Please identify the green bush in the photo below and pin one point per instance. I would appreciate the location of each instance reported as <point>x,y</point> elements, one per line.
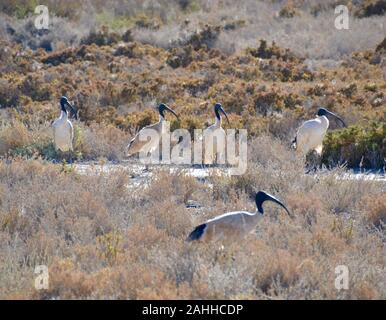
<point>45,149</point>
<point>359,147</point>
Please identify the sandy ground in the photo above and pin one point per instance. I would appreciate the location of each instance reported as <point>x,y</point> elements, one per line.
<point>142,175</point>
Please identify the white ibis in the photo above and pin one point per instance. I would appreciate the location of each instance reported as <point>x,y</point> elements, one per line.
<point>62,127</point>
<point>135,144</point>
<point>311,133</point>
<point>215,130</point>
<point>233,226</point>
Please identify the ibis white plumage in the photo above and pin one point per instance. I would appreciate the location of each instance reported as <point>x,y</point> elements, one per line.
<point>62,127</point>
<point>136,145</point>
<point>233,226</point>
<point>215,130</point>
<point>311,133</point>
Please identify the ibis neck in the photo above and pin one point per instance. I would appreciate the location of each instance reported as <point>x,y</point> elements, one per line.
<point>163,124</point>
<point>63,114</point>
<point>254,218</point>
<point>217,123</point>
<point>324,120</point>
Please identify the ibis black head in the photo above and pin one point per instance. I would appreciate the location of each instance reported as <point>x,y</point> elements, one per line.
<point>64,102</point>
<point>325,112</point>
<point>262,196</point>
<point>161,109</point>
<point>217,109</point>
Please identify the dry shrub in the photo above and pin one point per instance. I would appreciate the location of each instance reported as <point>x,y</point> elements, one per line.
<point>66,281</point>
<point>30,141</point>
<point>374,207</point>
<point>13,136</point>
<point>276,268</point>
<point>36,88</point>
<point>101,38</point>
<point>306,209</point>
<point>99,141</point>
<point>102,240</point>
<point>9,93</point>
<point>371,8</point>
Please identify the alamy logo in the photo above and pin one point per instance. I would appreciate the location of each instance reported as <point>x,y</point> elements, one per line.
<point>342,278</point>
<point>43,19</point>
<point>41,281</point>
<point>342,20</point>
<point>220,147</point>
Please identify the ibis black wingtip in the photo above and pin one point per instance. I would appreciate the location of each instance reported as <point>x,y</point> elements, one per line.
<point>197,233</point>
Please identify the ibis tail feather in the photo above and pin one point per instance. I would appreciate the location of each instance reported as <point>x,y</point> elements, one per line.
<point>294,142</point>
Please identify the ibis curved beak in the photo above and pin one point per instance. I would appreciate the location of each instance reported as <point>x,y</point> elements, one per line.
<point>224,113</point>
<point>337,117</point>
<point>172,111</point>
<point>74,111</point>
<point>262,196</point>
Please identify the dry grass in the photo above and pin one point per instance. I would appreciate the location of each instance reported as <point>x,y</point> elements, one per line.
<point>101,241</point>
